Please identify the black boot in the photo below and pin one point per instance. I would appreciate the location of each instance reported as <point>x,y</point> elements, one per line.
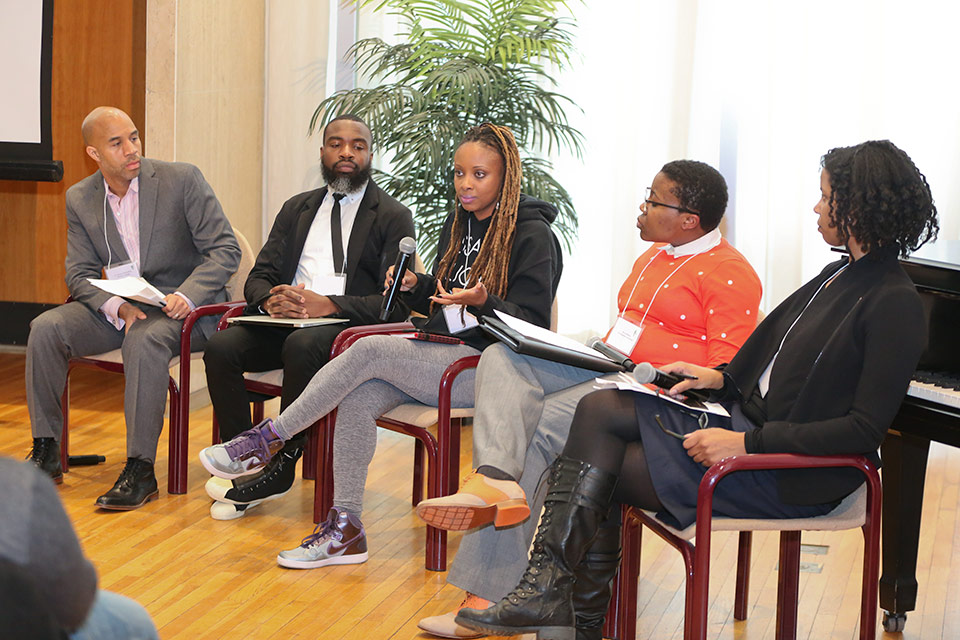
<point>594,577</point>
<point>135,487</point>
<point>45,456</point>
<point>577,501</point>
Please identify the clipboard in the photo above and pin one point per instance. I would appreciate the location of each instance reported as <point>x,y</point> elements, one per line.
<point>526,345</point>
<point>291,323</point>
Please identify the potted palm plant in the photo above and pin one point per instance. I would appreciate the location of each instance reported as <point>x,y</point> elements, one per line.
<point>460,63</point>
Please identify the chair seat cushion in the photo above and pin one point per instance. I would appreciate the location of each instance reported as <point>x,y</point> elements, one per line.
<point>849,514</point>
<point>274,377</point>
<point>421,415</point>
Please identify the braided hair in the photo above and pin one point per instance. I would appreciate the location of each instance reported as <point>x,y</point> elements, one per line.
<point>493,259</point>
<point>879,197</point>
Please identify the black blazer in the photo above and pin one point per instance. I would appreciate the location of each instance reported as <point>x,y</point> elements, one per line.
<point>380,224</point>
<point>840,376</point>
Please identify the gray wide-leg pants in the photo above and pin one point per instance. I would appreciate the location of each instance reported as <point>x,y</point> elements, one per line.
<point>525,406</point>
<point>72,330</point>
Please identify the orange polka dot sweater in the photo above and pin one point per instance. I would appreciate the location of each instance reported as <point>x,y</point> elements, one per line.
<point>700,312</point>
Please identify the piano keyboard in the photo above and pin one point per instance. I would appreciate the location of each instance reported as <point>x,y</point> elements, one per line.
<point>935,387</point>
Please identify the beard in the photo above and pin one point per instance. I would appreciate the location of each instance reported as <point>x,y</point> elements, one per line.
<point>345,182</point>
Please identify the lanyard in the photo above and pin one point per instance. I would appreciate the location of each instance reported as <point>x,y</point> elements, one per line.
<point>655,293</point>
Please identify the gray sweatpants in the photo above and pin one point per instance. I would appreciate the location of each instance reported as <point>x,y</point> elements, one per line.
<point>375,375</point>
<point>523,414</point>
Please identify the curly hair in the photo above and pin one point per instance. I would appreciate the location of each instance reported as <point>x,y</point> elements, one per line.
<point>701,190</point>
<point>879,197</point>
<point>493,259</point>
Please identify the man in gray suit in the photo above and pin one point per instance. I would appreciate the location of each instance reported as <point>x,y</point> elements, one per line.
<point>139,217</point>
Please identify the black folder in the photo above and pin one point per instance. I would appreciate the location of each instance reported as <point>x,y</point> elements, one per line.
<point>526,345</point>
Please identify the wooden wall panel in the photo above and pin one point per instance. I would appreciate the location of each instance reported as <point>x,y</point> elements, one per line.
<point>98,58</point>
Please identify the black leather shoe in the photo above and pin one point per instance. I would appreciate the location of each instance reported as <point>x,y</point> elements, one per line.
<point>135,487</point>
<point>45,455</point>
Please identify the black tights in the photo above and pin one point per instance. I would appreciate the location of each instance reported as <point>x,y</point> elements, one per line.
<point>605,434</point>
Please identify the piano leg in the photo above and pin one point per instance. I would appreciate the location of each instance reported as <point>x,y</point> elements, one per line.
<point>904,468</point>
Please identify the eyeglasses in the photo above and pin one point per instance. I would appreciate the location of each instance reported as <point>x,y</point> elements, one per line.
<point>702,418</point>
<point>668,206</point>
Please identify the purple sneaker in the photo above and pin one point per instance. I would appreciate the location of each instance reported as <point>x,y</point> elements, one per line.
<point>338,540</point>
<point>243,455</point>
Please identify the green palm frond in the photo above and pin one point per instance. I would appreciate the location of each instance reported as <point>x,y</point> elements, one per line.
<point>461,63</point>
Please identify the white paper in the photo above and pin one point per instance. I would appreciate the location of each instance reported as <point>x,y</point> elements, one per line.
<point>545,335</point>
<point>131,288</point>
<point>625,382</point>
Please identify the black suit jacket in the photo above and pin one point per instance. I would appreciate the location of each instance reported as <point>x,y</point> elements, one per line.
<point>380,224</point>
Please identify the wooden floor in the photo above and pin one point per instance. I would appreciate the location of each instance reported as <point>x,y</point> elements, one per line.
<point>200,578</point>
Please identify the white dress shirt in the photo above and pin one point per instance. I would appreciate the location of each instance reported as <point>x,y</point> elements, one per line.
<point>317,256</point>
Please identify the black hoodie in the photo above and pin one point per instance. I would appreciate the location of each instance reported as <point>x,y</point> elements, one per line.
<point>533,274</point>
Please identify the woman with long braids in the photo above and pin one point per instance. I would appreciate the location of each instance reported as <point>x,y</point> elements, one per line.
<point>496,251</point>
<point>823,374</point>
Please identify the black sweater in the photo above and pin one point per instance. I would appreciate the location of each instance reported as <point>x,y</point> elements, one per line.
<point>533,275</point>
<point>841,373</point>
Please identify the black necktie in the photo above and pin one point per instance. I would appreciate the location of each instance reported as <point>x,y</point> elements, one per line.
<point>336,235</point>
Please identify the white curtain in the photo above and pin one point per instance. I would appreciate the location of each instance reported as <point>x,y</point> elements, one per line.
<point>760,90</point>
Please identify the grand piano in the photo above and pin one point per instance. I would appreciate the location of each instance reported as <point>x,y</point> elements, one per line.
<point>930,412</point>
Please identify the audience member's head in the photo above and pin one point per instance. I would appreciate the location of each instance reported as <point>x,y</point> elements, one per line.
<point>24,614</point>
<point>346,154</point>
<point>879,197</point>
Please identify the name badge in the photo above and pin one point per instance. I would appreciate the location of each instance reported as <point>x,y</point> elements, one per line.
<point>624,336</point>
<point>451,313</point>
<point>121,270</point>
<point>332,284</point>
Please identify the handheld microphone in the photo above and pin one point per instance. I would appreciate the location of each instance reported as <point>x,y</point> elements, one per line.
<point>408,246</point>
<point>645,373</point>
<point>598,344</point>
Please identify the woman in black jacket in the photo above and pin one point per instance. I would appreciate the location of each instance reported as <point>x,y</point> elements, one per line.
<point>823,374</point>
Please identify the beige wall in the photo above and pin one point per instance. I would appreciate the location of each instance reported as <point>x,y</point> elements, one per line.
<point>296,81</point>
<point>205,97</point>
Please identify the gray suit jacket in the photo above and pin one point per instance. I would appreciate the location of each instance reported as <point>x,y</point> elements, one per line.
<point>186,242</point>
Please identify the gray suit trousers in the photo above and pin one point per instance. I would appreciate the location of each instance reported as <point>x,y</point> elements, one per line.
<point>73,329</point>
<point>524,409</point>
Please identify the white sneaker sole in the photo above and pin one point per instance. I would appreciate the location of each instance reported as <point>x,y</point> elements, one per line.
<point>354,558</point>
<point>227,511</point>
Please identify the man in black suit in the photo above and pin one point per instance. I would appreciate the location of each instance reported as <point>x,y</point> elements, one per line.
<point>303,272</point>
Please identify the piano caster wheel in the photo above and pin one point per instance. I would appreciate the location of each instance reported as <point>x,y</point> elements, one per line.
<point>894,622</point>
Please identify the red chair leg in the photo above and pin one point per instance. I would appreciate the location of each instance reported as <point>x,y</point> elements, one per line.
<point>179,439</point>
<point>323,486</point>
<point>417,472</point>
<point>215,434</point>
<point>309,468</point>
<point>743,576</point>
<point>871,562</point>
<point>621,622</point>
<point>788,585</point>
